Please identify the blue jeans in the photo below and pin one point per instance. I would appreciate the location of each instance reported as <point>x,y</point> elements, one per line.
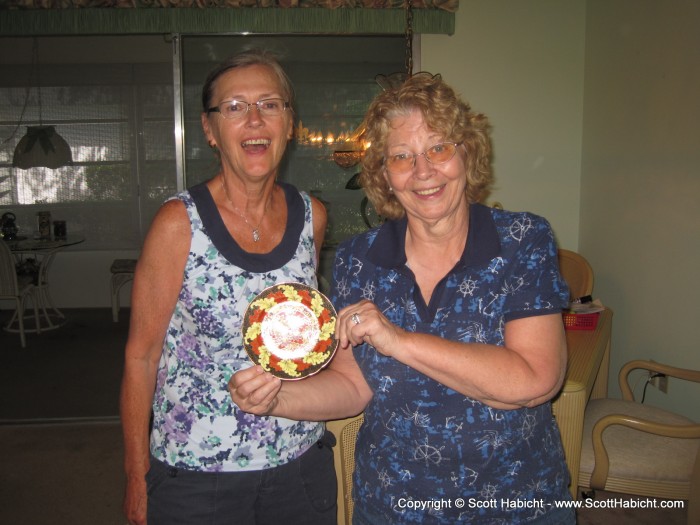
<point>301,492</point>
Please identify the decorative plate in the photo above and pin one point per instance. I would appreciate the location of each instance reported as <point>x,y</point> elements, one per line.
<point>288,329</point>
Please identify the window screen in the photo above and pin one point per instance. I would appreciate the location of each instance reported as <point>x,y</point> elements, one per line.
<point>118,120</point>
<point>111,98</point>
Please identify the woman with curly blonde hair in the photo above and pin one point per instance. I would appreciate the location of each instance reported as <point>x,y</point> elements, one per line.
<point>444,112</point>
<point>450,329</point>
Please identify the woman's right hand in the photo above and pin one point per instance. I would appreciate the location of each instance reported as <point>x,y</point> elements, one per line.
<point>254,390</point>
<point>135,501</point>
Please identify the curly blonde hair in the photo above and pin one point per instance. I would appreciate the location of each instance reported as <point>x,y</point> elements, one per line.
<point>445,113</point>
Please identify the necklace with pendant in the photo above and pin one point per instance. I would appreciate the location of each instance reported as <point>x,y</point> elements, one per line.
<point>256,229</point>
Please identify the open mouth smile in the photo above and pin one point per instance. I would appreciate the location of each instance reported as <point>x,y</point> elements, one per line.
<point>256,143</point>
<point>430,191</point>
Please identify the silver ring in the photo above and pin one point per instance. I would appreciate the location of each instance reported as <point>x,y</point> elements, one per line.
<point>355,318</point>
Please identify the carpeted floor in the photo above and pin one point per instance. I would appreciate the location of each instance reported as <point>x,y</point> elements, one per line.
<point>70,372</point>
<point>60,439</point>
<point>61,474</point>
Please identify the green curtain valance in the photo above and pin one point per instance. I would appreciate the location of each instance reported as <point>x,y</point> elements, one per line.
<point>61,17</point>
<point>447,5</point>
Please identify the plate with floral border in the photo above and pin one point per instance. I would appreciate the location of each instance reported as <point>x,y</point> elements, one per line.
<point>289,330</point>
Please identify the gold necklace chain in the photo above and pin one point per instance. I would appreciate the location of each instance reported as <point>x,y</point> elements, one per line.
<point>256,229</point>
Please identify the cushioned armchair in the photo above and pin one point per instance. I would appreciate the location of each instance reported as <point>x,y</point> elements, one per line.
<point>639,449</point>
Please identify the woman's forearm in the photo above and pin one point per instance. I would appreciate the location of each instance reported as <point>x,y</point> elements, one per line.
<point>138,385</point>
<point>325,396</point>
<point>336,392</point>
<point>527,372</point>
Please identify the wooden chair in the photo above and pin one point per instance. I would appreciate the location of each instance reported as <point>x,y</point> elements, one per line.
<point>577,273</point>
<point>18,289</point>
<point>639,449</point>
<point>345,431</point>
<point>122,272</point>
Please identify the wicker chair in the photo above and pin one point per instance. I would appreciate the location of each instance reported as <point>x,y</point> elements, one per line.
<point>18,289</point>
<point>577,273</point>
<point>122,272</point>
<point>345,431</point>
<point>639,449</point>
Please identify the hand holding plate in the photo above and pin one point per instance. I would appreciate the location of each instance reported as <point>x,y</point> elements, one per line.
<point>254,390</point>
<point>289,330</point>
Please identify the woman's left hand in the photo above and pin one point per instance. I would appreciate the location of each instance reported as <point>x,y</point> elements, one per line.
<point>363,323</point>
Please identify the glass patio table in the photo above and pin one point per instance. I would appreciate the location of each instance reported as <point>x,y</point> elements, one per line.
<point>44,252</point>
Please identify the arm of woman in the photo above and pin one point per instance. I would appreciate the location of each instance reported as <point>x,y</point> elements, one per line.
<point>336,392</point>
<point>527,371</point>
<point>157,282</point>
<point>320,216</point>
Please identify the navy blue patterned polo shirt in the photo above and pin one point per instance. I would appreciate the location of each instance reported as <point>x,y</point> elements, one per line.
<point>425,453</point>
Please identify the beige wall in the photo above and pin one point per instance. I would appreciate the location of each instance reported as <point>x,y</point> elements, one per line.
<point>641,180</point>
<point>596,121</point>
<point>521,63</point>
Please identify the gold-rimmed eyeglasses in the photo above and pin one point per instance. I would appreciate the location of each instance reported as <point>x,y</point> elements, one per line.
<point>235,109</point>
<point>400,163</point>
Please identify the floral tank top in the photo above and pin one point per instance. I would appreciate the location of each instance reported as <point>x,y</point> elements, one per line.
<point>196,425</point>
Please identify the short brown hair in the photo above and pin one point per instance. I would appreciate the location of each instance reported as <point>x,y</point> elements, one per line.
<point>445,113</point>
<point>253,57</point>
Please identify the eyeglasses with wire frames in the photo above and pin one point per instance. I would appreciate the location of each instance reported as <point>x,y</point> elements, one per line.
<point>235,109</point>
<point>401,163</point>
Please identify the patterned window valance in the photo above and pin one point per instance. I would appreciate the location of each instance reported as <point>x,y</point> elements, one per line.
<point>447,5</point>
<point>75,17</point>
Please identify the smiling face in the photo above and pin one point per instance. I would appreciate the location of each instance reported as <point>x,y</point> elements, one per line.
<point>252,146</point>
<point>428,192</point>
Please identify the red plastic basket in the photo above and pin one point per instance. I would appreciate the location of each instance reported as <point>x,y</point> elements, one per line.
<point>580,321</point>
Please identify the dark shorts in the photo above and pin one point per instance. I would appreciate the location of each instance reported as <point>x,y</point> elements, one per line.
<point>301,492</point>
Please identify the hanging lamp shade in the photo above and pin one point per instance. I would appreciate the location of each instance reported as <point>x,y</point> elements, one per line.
<point>42,147</point>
